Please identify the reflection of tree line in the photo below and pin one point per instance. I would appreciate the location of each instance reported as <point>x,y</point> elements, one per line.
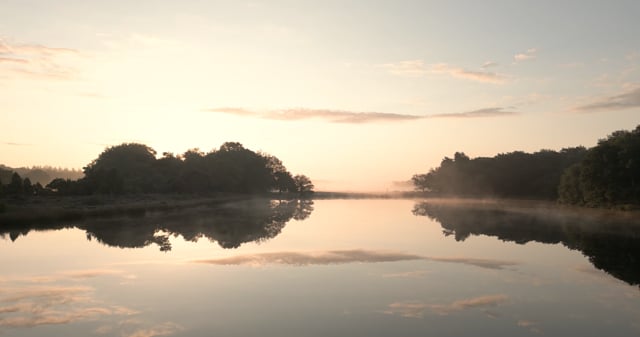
<point>230,224</point>
<point>612,245</point>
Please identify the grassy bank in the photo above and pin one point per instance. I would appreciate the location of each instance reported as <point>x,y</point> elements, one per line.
<point>50,209</point>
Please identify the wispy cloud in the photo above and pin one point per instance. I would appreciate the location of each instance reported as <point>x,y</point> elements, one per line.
<point>489,64</point>
<point>487,112</point>
<point>35,61</point>
<point>332,116</point>
<point>417,68</point>
<point>473,75</point>
<point>530,54</point>
<point>627,100</point>
<point>412,68</point>
<point>417,309</point>
<point>17,144</point>
<point>351,117</point>
<point>346,256</point>
<point>91,273</point>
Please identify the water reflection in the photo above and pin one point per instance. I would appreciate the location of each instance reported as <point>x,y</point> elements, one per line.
<point>611,242</point>
<point>230,224</point>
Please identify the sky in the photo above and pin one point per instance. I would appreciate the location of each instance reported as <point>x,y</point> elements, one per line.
<point>356,95</point>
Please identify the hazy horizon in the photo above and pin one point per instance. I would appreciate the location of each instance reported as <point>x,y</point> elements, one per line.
<point>356,95</point>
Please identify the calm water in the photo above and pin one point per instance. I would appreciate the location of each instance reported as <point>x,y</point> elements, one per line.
<point>328,268</point>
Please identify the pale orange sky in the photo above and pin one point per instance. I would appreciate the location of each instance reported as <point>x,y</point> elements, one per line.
<point>355,95</point>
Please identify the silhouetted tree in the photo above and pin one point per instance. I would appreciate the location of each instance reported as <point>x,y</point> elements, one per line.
<point>609,174</point>
<point>15,186</point>
<point>511,175</point>
<point>304,185</point>
<point>27,187</point>
<point>125,168</point>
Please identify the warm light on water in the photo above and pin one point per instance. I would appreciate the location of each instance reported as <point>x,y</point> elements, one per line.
<point>352,268</point>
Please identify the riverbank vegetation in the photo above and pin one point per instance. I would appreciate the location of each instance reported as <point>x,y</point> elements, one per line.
<point>607,175</point>
<point>133,168</point>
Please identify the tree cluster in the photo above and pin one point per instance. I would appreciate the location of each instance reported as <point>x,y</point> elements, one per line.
<point>39,174</point>
<point>510,175</point>
<point>608,176</point>
<point>133,168</point>
<point>20,187</point>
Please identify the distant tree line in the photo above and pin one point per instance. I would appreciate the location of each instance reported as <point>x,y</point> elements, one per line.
<point>509,175</point>
<point>133,168</point>
<point>603,176</point>
<point>39,174</point>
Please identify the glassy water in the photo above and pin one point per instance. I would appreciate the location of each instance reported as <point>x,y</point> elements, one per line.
<point>327,268</point>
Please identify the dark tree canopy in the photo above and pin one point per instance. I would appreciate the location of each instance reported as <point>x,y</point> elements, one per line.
<point>509,175</point>
<point>133,168</point>
<point>609,174</point>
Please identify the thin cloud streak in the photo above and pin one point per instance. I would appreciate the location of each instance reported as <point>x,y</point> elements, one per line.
<point>332,116</point>
<point>488,112</point>
<point>530,54</point>
<point>417,68</point>
<point>17,144</point>
<point>350,117</point>
<point>626,100</point>
<point>346,256</point>
<point>478,76</point>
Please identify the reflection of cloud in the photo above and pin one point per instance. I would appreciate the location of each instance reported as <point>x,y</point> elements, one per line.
<point>313,258</point>
<point>415,309</point>
<point>532,326</point>
<point>488,112</point>
<point>458,72</point>
<point>345,256</point>
<point>409,274</point>
<point>482,263</point>
<point>627,100</point>
<point>333,116</point>
<point>34,306</point>
<point>164,329</point>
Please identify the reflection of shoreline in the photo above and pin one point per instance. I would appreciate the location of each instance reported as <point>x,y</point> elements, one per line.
<point>230,224</point>
<point>611,243</point>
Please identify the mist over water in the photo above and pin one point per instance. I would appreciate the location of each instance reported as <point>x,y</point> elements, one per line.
<point>364,267</point>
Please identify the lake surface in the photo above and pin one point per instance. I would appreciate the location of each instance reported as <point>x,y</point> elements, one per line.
<point>326,268</point>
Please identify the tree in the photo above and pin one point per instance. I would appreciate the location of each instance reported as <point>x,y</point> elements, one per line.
<point>303,184</point>
<point>420,182</point>
<point>27,187</point>
<point>15,185</point>
<point>126,168</point>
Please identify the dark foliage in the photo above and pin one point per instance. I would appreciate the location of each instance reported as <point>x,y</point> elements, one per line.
<point>608,176</point>
<point>132,168</point>
<point>510,175</point>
